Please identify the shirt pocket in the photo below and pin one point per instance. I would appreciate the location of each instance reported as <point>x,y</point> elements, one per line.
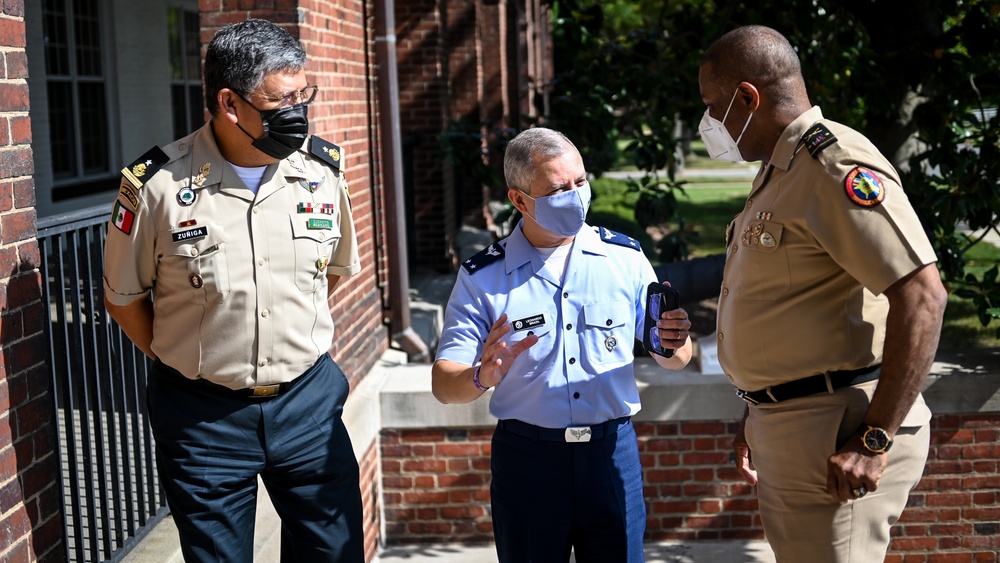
<point>313,237</point>
<point>195,262</point>
<point>764,272</point>
<point>607,336</point>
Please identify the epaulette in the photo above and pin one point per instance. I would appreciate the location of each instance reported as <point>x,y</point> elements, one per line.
<point>483,258</point>
<point>611,237</point>
<point>326,151</point>
<point>140,171</point>
<point>817,138</point>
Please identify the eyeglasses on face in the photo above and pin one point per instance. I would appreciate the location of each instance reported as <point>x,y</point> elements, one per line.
<point>304,96</point>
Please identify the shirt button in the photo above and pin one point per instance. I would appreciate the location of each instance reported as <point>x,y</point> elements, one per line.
<point>531,333</point>
<point>576,395</point>
<point>263,362</point>
<point>265,313</point>
<point>565,294</point>
<point>569,326</point>
<point>256,209</point>
<point>572,361</point>
<point>725,291</point>
<point>194,252</point>
<point>260,261</point>
<point>609,322</point>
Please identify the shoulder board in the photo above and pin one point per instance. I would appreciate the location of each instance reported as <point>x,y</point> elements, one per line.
<point>326,151</point>
<point>611,237</point>
<point>483,258</point>
<point>140,171</point>
<point>817,138</point>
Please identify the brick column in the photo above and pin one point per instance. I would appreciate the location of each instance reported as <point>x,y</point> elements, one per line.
<point>29,494</point>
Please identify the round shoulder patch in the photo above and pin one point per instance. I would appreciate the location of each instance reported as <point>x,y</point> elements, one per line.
<point>864,187</point>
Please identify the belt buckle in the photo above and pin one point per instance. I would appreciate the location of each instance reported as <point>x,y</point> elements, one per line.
<point>578,434</point>
<point>745,395</point>
<point>266,390</point>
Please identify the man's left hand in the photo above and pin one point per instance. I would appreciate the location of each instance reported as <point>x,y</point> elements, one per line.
<point>854,472</point>
<point>673,328</point>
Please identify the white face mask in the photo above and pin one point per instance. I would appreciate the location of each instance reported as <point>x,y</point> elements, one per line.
<point>718,141</point>
<point>563,213</point>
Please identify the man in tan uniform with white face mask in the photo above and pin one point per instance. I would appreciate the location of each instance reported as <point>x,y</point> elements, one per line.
<point>830,311</point>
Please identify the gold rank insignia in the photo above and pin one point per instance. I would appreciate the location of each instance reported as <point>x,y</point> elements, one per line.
<point>203,173</point>
<point>140,171</point>
<point>326,151</point>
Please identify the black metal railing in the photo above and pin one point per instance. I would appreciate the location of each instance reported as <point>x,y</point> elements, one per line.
<point>111,492</point>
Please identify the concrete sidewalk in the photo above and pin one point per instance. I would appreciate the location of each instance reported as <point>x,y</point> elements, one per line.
<point>701,551</point>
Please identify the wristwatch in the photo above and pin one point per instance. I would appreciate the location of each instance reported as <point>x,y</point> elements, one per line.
<point>875,439</point>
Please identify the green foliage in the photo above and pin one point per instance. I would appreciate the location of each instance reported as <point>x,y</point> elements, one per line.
<point>466,144</point>
<point>627,70</point>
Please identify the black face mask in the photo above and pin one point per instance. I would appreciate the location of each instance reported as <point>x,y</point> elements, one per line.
<point>285,129</point>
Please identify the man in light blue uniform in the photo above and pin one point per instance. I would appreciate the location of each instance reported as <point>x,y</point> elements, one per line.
<point>549,316</point>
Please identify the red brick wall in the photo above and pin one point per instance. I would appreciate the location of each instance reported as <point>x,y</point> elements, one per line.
<point>338,36</point>
<point>953,515</point>
<point>423,109</point>
<point>436,485</point>
<point>436,488</point>
<point>29,496</point>
<point>692,491</point>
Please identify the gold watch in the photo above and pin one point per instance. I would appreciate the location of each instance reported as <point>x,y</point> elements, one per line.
<point>876,440</point>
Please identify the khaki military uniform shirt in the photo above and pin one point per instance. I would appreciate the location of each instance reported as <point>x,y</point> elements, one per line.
<point>809,256</point>
<point>238,281</point>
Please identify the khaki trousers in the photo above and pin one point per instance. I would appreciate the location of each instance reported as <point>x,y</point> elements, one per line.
<point>790,443</point>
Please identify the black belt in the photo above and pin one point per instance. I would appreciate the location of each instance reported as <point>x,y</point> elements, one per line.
<point>571,434</point>
<point>810,385</point>
<point>256,392</point>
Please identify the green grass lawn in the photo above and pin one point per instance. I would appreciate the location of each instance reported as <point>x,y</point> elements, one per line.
<point>962,328</point>
<point>708,205</point>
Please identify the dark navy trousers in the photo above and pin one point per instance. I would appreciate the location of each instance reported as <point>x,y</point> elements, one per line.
<point>549,497</point>
<point>211,444</point>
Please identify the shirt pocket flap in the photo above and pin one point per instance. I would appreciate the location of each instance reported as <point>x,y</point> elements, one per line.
<point>315,226</point>
<point>606,315</point>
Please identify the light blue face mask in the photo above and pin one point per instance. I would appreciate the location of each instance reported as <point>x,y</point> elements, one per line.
<point>562,213</point>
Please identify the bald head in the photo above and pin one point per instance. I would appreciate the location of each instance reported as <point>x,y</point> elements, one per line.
<point>758,55</point>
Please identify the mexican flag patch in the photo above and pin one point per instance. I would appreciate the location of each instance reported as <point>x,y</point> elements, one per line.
<point>122,218</point>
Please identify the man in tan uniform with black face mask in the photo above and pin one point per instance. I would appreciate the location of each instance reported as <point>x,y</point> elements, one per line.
<point>830,311</point>
<point>222,252</point>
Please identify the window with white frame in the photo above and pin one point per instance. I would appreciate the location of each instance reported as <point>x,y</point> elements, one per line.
<point>76,85</point>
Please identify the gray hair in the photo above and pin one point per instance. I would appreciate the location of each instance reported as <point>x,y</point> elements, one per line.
<point>242,55</point>
<point>529,148</point>
<point>759,55</point>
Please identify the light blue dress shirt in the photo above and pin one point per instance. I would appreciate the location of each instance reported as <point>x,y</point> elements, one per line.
<point>580,370</point>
